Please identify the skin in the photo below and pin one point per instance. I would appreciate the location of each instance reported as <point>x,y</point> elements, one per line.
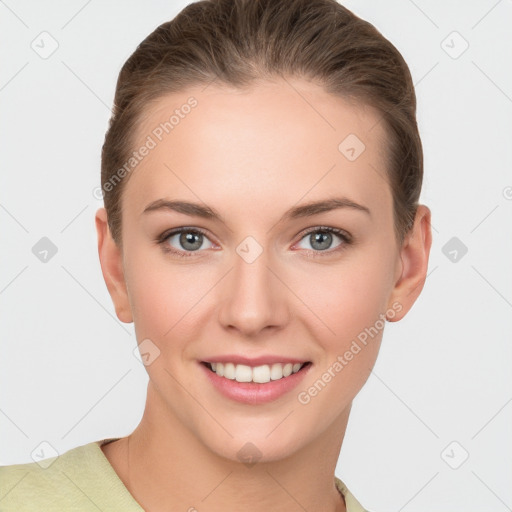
<point>251,155</point>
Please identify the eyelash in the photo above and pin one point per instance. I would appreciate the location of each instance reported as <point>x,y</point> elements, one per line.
<point>346,240</point>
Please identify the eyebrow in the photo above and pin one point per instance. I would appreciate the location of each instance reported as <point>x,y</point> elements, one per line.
<point>304,210</point>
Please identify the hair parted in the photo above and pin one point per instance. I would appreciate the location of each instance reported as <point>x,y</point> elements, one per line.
<point>238,42</point>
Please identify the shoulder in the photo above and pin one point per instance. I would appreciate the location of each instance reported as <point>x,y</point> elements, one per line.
<point>24,485</point>
<point>352,505</point>
<point>80,479</point>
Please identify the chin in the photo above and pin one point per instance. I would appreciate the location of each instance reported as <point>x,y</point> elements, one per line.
<point>259,448</point>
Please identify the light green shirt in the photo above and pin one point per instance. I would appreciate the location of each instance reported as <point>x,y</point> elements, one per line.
<point>82,479</point>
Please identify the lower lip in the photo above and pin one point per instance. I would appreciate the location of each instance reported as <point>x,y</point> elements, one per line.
<point>255,393</point>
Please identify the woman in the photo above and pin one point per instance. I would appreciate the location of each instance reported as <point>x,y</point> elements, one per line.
<point>261,176</point>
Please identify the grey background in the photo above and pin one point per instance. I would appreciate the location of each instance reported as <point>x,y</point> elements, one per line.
<point>441,389</point>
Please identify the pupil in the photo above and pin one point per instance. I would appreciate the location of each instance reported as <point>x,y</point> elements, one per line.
<point>323,238</point>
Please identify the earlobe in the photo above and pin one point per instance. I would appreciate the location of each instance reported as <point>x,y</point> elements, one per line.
<point>112,268</point>
<point>414,256</point>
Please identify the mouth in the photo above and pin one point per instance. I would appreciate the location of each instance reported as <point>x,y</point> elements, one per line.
<point>262,374</point>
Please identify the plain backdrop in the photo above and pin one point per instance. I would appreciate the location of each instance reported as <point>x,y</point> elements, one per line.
<point>431,430</point>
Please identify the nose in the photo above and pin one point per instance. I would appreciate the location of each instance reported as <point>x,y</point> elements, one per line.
<point>253,297</point>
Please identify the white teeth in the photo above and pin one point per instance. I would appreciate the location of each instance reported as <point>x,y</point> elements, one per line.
<point>260,374</point>
<point>243,373</point>
<point>229,371</point>
<point>276,372</point>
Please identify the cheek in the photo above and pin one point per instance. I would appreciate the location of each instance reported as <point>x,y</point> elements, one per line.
<point>347,298</point>
<point>165,297</point>
<point>352,304</point>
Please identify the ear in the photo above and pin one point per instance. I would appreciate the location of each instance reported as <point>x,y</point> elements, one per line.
<point>414,255</point>
<point>111,261</point>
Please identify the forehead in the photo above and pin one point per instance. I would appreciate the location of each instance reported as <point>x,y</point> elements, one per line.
<point>274,141</point>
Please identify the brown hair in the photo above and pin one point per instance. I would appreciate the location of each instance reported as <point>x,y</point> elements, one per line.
<point>236,42</point>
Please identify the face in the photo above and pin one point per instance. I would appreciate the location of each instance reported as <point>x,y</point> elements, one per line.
<point>224,263</point>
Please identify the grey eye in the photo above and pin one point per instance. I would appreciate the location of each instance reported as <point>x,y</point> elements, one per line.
<point>191,241</point>
<point>320,240</point>
<point>187,240</point>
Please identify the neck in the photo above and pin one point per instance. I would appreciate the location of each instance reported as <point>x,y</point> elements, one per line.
<point>165,467</point>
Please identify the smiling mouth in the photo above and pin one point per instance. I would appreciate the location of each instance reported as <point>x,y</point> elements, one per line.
<point>258,374</point>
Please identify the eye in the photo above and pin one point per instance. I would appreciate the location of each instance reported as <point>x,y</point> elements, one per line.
<point>320,239</point>
<point>184,241</point>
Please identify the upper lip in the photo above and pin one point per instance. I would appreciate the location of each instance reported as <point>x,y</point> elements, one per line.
<point>254,361</point>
